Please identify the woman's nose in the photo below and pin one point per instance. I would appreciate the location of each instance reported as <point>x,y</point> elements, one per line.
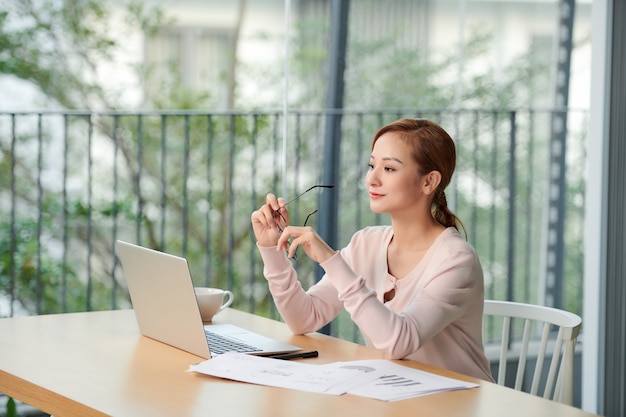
<point>371,179</point>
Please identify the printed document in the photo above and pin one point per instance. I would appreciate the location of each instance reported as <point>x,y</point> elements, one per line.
<point>379,379</point>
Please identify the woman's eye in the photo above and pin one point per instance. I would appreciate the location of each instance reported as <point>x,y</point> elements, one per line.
<point>389,169</point>
<point>370,166</point>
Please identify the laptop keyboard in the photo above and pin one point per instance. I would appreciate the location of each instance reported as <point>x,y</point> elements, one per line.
<point>220,344</point>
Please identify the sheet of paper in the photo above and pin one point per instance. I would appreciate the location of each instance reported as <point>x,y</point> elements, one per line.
<point>279,373</point>
<point>379,379</point>
<point>397,382</point>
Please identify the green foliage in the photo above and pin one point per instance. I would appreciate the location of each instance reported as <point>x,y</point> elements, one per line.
<point>11,408</point>
<point>28,259</point>
<point>57,46</point>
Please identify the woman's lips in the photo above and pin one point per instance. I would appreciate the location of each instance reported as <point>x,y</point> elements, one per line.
<point>375,195</point>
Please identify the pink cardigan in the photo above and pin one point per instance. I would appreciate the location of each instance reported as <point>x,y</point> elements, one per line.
<point>435,316</point>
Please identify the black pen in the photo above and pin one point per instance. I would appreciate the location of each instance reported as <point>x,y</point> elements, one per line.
<point>297,355</point>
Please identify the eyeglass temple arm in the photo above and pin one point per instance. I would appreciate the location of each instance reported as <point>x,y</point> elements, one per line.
<point>303,193</point>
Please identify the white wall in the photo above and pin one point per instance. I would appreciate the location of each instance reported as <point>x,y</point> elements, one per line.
<point>596,211</point>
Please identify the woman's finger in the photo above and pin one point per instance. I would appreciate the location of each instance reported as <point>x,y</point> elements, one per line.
<point>294,236</point>
<point>306,237</point>
<point>289,232</point>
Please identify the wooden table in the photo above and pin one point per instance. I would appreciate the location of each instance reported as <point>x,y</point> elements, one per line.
<point>97,363</point>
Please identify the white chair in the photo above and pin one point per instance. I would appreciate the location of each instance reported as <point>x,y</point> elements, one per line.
<point>559,382</point>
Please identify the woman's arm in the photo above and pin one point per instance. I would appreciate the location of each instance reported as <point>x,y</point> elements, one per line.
<point>303,311</point>
<point>442,300</point>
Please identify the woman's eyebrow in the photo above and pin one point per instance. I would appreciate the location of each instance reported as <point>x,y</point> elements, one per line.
<point>388,158</point>
<point>391,158</point>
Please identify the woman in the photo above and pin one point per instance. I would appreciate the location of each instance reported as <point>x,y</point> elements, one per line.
<point>415,288</point>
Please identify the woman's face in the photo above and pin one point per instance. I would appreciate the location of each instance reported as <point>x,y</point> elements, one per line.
<point>393,180</point>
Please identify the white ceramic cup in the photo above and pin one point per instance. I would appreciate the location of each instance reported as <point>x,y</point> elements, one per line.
<point>211,301</point>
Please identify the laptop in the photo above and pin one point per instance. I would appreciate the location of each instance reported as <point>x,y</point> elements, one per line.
<point>163,298</point>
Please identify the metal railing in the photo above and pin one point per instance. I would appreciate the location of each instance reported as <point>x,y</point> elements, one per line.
<point>186,182</point>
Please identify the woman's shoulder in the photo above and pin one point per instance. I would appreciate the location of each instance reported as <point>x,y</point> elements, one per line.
<point>370,237</point>
<point>454,243</point>
<point>454,251</point>
<point>366,243</point>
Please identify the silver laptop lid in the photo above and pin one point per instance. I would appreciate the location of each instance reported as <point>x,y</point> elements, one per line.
<point>162,294</point>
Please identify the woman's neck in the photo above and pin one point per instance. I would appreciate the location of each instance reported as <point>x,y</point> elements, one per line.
<point>414,234</point>
<point>409,245</point>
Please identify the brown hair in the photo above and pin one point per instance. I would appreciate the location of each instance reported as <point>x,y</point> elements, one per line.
<point>433,150</point>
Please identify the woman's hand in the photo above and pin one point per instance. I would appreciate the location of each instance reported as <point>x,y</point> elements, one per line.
<point>314,246</point>
<point>269,220</point>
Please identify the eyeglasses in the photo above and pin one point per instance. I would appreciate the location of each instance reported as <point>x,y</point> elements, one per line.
<point>278,213</point>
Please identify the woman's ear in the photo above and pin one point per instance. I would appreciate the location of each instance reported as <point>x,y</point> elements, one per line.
<point>431,182</point>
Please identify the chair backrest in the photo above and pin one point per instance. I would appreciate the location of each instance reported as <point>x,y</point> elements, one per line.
<point>559,381</point>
